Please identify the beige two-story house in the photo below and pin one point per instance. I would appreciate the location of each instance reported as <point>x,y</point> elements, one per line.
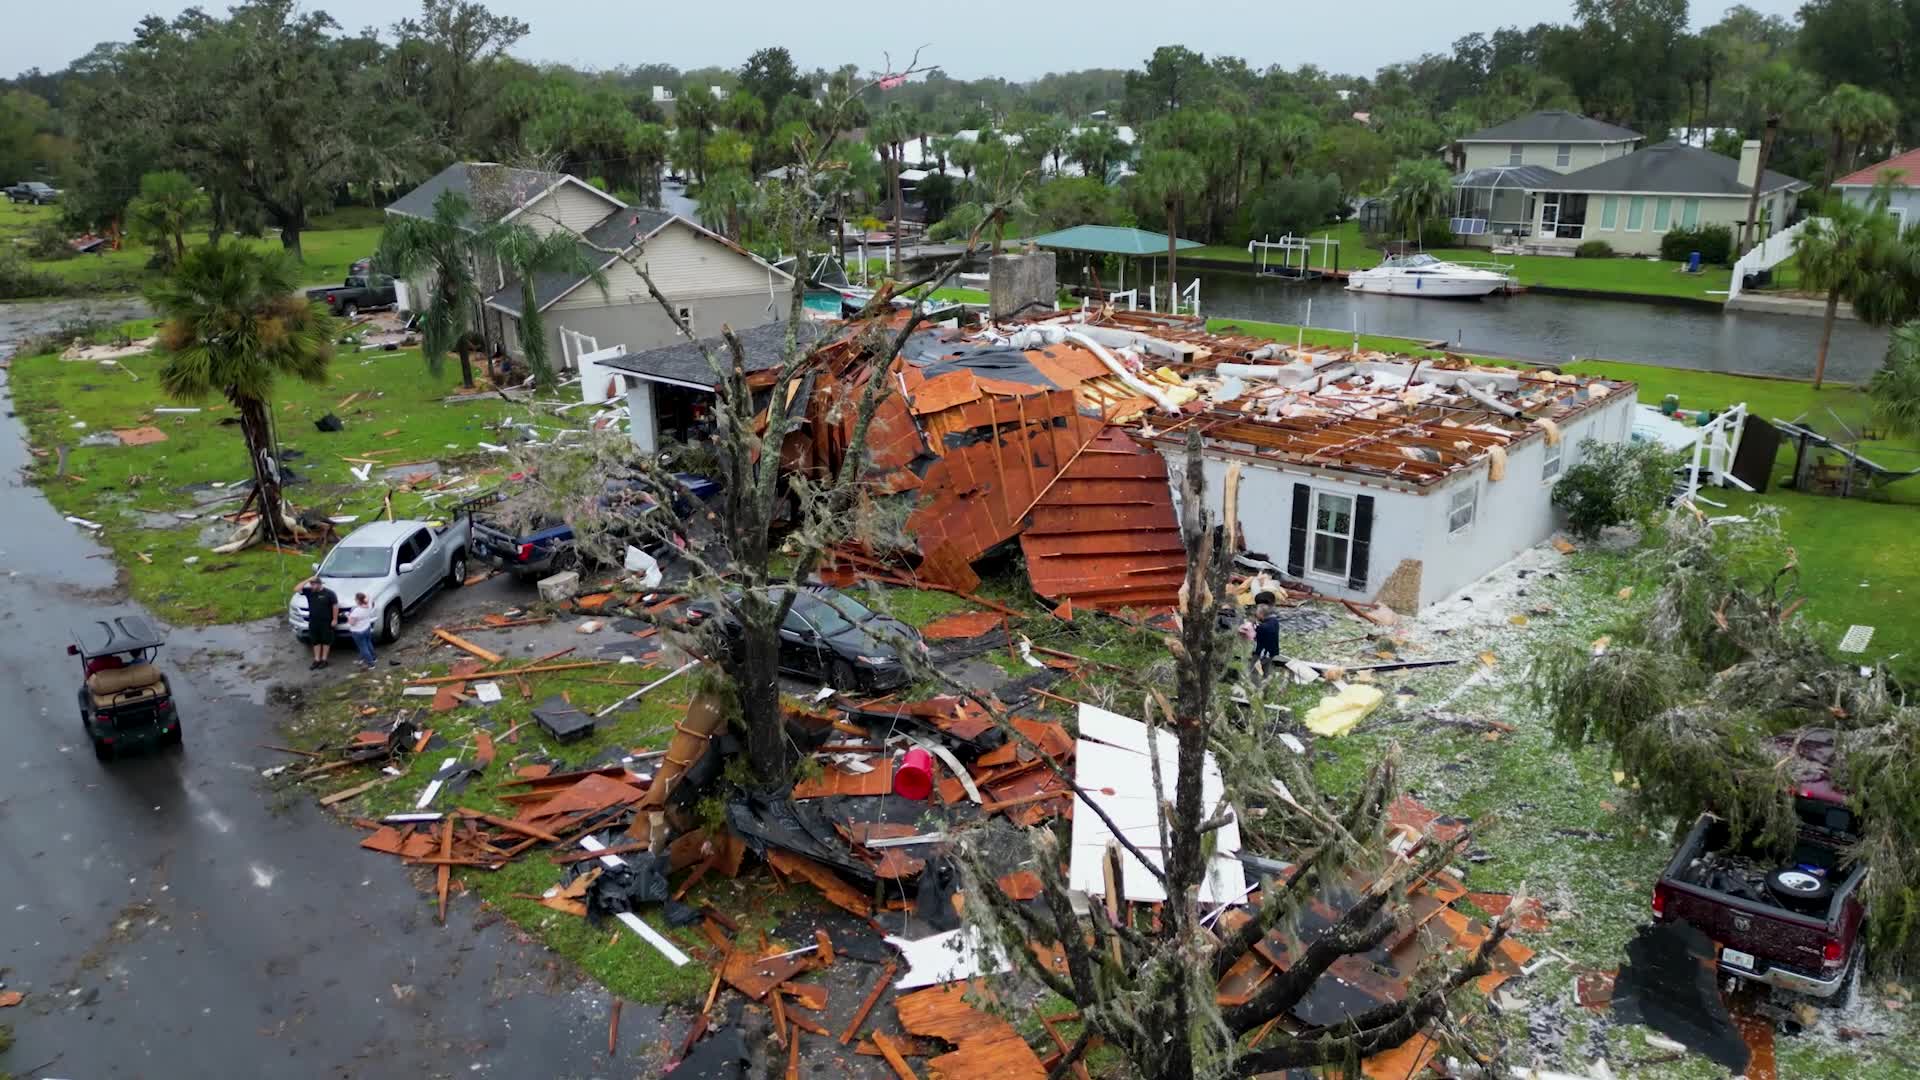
<point>1497,167</point>
<point>709,280</point>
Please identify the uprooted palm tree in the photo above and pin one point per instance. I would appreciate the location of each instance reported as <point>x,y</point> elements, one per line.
<point>527,254</point>
<point>1149,986</point>
<point>441,249</point>
<point>233,324</point>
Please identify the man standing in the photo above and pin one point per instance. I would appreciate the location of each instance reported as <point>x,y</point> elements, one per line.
<point>1266,635</point>
<point>322,610</point>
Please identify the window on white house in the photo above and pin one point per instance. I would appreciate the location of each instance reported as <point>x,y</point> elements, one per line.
<point>1563,155</point>
<point>1514,153</point>
<point>1461,508</point>
<point>1332,534</point>
<point>1550,465</point>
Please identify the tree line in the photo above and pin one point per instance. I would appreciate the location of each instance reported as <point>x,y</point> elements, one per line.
<point>276,114</point>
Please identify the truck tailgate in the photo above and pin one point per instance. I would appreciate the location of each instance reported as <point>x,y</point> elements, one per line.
<point>1771,935</point>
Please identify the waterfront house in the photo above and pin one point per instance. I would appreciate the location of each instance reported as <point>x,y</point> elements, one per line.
<point>1904,202</point>
<point>1500,166</point>
<point>1631,202</point>
<point>710,280</point>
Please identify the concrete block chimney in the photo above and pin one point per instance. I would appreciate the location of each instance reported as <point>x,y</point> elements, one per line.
<point>1749,163</point>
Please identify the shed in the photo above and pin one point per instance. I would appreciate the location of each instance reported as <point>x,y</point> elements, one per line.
<point>670,387</point>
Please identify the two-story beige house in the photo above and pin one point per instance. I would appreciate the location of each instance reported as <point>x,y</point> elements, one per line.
<point>1499,166</point>
<point>709,280</point>
<point>1632,202</point>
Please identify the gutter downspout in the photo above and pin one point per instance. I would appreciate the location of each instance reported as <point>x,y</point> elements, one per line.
<point>1131,380</point>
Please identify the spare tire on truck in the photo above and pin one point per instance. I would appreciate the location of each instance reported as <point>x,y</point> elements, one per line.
<point>1800,889</point>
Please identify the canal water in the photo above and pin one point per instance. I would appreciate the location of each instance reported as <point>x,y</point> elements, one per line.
<point>1557,328</point>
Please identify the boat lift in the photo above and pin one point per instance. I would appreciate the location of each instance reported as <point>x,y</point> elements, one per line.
<point>1261,250</point>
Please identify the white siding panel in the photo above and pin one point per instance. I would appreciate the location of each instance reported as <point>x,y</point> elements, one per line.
<point>570,206</point>
<point>684,264</point>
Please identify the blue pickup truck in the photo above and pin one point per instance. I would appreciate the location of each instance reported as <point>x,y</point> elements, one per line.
<point>542,542</point>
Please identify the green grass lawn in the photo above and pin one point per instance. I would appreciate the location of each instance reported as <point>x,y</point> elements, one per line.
<point>329,248</point>
<point>135,491</point>
<point>1642,277</point>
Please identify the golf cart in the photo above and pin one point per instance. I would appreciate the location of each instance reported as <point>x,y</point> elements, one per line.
<point>124,701</point>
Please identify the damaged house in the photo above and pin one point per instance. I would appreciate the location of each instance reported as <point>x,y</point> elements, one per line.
<point>710,280</point>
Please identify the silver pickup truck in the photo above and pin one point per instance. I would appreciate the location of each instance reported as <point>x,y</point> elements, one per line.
<point>398,564</point>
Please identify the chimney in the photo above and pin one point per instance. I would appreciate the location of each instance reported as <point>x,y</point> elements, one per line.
<point>1749,163</point>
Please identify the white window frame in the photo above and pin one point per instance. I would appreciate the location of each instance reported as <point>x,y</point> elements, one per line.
<point>1314,532</point>
<point>1516,153</point>
<point>1899,216</point>
<point>1554,463</point>
<point>1455,505</point>
<point>1563,155</point>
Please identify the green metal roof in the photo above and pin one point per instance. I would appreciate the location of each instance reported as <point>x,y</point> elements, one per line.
<point>1111,240</point>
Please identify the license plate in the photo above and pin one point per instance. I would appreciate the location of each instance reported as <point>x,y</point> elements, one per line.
<point>1736,958</point>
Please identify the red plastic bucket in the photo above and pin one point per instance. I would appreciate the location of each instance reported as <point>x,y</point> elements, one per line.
<point>913,777</point>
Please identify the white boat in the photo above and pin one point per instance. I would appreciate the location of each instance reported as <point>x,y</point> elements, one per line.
<point>1424,275</point>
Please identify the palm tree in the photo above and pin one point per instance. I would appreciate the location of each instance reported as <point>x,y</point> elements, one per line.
<point>695,113</point>
<point>168,205</point>
<point>1418,190</point>
<point>1095,148</point>
<point>1854,118</point>
<point>233,323</point>
<point>440,249</point>
<point>1780,91</point>
<point>727,200</point>
<point>1895,388</point>
<point>1840,254</point>
<point>1047,139</point>
<point>1166,176</point>
<point>1294,137</point>
<point>890,130</point>
<point>647,144</point>
<point>525,253</point>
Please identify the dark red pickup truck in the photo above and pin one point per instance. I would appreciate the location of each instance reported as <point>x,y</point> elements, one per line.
<point>1791,922</point>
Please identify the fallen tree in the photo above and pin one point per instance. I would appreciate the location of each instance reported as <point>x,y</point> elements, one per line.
<point>1150,986</point>
<point>1694,682</point>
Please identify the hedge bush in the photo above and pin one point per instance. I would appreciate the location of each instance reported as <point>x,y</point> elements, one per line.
<point>1594,249</point>
<point>1713,242</point>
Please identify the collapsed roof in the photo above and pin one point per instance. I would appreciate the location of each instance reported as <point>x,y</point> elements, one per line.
<point>1051,430</point>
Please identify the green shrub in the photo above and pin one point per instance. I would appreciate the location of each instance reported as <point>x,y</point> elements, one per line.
<point>1615,484</point>
<point>48,240</point>
<point>1437,234</point>
<point>1594,249</point>
<point>19,280</point>
<point>1713,242</point>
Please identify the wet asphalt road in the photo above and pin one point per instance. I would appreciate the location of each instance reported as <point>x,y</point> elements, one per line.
<point>171,916</point>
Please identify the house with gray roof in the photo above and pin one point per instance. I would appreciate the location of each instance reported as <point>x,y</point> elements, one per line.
<point>670,388</point>
<point>1498,166</point>
<point>1632,202</point>
<point>709,280</point>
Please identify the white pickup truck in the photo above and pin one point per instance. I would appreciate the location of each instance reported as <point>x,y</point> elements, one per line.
<point>398,564</point>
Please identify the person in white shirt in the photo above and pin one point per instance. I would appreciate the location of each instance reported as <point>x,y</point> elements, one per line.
<point>360,625</point>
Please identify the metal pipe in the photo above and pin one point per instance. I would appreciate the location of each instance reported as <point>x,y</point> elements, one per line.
<point>1465,386</point>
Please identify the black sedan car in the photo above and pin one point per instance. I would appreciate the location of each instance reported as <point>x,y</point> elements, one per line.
<point>832,638</point>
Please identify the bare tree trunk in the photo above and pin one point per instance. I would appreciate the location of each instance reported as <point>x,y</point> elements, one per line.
<point>1173,269</point>
<point>1834,156</point>
<point>256,429</point>
<point>466,363</point>
<point>897,208</point>
<point>1826,337</point>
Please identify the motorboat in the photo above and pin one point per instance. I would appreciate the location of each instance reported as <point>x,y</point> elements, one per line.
<point>1425,275</point>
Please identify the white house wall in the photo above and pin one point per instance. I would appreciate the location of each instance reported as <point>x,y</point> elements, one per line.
<point>1579,155</point>
<point>1510,515</point>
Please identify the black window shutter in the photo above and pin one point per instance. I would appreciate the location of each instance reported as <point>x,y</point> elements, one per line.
<point>1297,535</point>
<point>1362,541</point>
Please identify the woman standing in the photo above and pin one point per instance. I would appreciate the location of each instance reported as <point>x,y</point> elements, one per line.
<point>360,625</point>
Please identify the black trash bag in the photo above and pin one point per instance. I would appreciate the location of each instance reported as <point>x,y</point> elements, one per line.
<point>329,423</point>
<point>938,882</point>
<point>640,881</point>
<point>720,1056</point>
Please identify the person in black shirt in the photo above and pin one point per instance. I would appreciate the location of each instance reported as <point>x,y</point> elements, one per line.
<point>1266,637</point>
<point>323,609</point>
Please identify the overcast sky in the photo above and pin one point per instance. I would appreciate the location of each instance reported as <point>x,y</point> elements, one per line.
<point>1017,39</point>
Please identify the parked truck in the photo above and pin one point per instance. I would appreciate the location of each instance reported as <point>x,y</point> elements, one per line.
<point>360,292</point>
<point>1792,921</point>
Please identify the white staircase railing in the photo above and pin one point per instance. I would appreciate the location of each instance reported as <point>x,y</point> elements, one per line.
<point>1765,255</point>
